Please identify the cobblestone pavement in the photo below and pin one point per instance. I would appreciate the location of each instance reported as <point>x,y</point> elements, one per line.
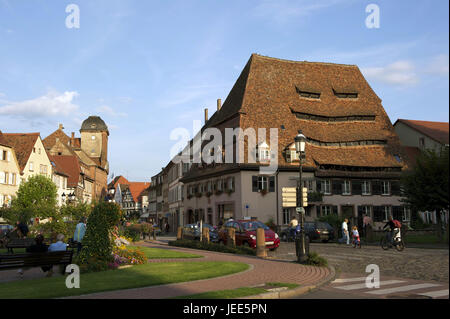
<point>413,263</point>
<point>261,272</point>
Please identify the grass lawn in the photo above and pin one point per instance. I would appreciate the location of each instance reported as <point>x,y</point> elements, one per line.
<point>137,276</point>
<point>238,293</point>
<point>157,253</point>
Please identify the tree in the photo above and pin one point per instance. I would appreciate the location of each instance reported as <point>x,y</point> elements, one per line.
<point>425,186</point>
<point>37,197</point>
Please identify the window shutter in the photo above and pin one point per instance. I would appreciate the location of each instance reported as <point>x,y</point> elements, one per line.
<point>336,187</point>
<point>254,183</point>
<point>272,184</point>
<point>356,187</point>
<point>395,188</point>
<point>9,156</point>
<point>335,210</point>
<point>377,188</point>
<point>288,156</point>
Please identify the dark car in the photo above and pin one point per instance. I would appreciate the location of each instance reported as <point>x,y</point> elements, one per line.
<point>245,232</point>
<point>314,230</point>
<point>4,229</point>
<point>192,231</point>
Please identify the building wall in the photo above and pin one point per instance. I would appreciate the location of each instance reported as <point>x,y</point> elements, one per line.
<point>92,146</point>
<point>61,187</point>
<point>410,137</point>
<point>10,166</point>
<point>37,158</point>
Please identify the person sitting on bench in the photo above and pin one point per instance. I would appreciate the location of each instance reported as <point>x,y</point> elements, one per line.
<point>58,246</point>
<point>38,247</point>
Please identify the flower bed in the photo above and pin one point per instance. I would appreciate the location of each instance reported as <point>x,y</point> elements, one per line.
<point>127,256</point>
<point>240,250</point>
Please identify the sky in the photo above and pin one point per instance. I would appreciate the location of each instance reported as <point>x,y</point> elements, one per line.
<point>149,67</point>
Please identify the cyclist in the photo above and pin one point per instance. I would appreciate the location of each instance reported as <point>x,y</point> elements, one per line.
<point>292,226</point>
<point>393,229</point>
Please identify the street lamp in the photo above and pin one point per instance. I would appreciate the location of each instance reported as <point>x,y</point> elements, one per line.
<point>300,242</point>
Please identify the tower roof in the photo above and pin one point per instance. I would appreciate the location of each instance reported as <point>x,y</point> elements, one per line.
<point>94,124</point>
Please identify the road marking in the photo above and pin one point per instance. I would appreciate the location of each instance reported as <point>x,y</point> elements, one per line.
<point>402,288</point>
<point>342,257</point>
<point>362,286</point>
<point>342,280</point>
<point>435,294</point>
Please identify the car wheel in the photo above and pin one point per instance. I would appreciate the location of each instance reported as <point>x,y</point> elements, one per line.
<point>284,237</point>
<point>325,241</point>
<point>273,249</point>
<point>245,244</point>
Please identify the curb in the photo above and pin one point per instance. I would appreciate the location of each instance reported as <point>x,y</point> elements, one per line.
<point>296,291</point>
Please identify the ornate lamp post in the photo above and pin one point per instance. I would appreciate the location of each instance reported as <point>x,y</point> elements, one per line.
<point>300,242</point>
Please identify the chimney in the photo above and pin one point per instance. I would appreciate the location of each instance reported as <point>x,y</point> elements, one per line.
<point>219,104</point>
<point>61,127</point>
<point>206,115</point>
<point>72,140</point>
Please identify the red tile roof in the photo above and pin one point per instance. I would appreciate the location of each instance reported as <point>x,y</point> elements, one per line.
<point>70,166</point>
<point>23,144</point>
<point>266,95</point>
<point>137,188</point>
<point>438,131</point>
<point>3,140</point>
<point>118,180</point>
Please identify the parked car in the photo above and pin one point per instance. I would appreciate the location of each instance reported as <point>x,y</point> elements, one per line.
<point>314,230</point>
<point>192,231</point>
<point>4,229</point>
<point>246,233</point>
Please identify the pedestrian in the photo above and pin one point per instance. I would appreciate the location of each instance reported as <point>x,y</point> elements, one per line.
<point>167,227</point>
<point>355,236</point>
<point>292,226</point>
<point>345,235</point>
<point>366,223</point>
<point>22,229</point>
<point>37,247</point>
<point>78,236</point>
<point>59,245</point>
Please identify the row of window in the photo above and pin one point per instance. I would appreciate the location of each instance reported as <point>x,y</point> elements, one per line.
<point>377,213</point>
<point>316,95</point>
<point>220,185</point>
<point>358,187</point>
<point>263,183</point>
<point>8,178</point>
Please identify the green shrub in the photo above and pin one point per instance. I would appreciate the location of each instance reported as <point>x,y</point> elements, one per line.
<point>98,242</point>
<point>315,260</point>
<point>240,250</point>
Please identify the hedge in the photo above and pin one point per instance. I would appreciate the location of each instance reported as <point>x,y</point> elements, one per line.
<point>240,250</point>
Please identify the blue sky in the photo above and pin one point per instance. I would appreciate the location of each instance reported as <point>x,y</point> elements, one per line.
<point>148,67</point>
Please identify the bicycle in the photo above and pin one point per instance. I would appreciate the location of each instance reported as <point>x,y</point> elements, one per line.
<point>356,242</point>
<point>396,241</point>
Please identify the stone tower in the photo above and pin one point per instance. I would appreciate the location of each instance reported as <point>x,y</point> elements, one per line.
<point>94,140</point>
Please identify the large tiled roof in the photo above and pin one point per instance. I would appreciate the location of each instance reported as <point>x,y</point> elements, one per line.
<point>70,166</point>
<point>438,131</point>
<point>268,94</point>
<point>137,189</point>
<point>118,180</point>
<point>3,140</point>
<point>50,140</point>
<point>23,144</point>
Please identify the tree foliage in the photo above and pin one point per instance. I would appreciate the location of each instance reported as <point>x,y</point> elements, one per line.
<point>37,197</point>
<point>425,187</point>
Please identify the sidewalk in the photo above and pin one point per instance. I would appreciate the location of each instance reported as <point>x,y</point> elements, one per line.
<point>261,271</point>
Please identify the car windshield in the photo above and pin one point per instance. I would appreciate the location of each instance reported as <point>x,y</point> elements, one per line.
<point>322,225</point>
<point>254,225</point>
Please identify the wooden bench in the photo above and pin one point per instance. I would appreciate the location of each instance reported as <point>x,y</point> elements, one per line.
<point>14,261</point>
<point>19,243</point>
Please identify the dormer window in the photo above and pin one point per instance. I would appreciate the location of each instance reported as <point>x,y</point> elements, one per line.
<point>308,94</point>
<point>263,152</point>
<point>291,154</point>
<point>345,95</point>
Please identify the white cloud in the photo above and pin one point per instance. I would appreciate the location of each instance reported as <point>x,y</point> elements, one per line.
<point>105,109</point>
<point>51,104</point>
<point>400,73</point>
<point>438,65</point>
<point>282,10</point>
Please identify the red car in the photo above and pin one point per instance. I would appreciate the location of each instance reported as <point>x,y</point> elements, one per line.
<point>246,233</point>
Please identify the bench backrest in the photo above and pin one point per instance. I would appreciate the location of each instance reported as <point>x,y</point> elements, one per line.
<point>20,243</point>
<point>36,259</point>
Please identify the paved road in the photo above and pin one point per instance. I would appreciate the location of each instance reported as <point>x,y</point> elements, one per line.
<point>412,263</point>
<point>353,286</point>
